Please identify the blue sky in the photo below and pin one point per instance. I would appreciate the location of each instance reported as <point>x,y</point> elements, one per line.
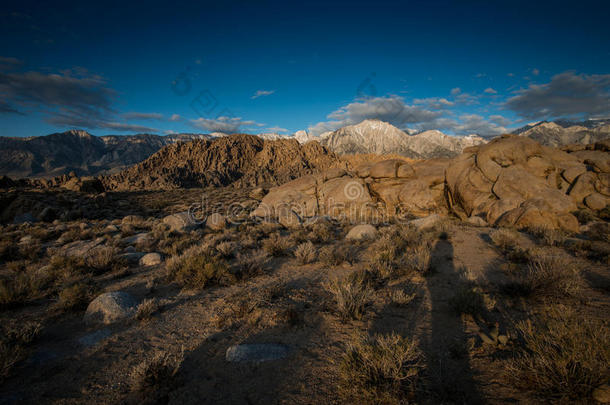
<point>247,66</point>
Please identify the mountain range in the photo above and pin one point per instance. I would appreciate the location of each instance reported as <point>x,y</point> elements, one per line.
<point>85,154</point>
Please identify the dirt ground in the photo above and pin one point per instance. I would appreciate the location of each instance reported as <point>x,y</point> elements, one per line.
<point>72,362</point>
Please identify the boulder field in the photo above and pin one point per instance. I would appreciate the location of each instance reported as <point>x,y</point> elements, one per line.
<point>510,181</point>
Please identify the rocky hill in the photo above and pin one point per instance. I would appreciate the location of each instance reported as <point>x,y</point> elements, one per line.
<point>240,159</point>
<point>79,152</point>
<point>555,134</point>
<point>374,136</point>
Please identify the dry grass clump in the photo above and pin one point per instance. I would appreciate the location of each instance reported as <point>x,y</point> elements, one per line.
<point>156,374</point>
<point>251,264</point>
<point>334,255</point>
<point>198,268</point>
<point>64,266</point>
<point>468,300</point>
<point>20,286</point>
<point>74,297</point>
<point>173,244</point>
<point>321,233</point>
<point>505,239</point>
<point>564,356</point>
<point>380,369</point>
<point>399,251</point>
<point>352,294</point>
<point>147,309</point>
<point>305,253</point>
<point>418,258</point>
<point>277,245</point>
<point>226,249</point>
<point>14,340</point>
<point>104,258</point>
<point>547,235</point>
<point>546,275</point>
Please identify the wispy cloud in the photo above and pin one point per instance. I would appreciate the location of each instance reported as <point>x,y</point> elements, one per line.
<point>277,129</point>
<point>142,116</point>
<point>489,90</point>
<point>262,93</point>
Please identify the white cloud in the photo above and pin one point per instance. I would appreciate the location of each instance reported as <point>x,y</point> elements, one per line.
<point>175,117</point>
<point>261,93</point>
<point>390,109</point>
<point>567,94</point>
<point>436,103</point>
<point>489,90</point>
<point>277,129</point>
<point>227,125</point>
<point>455,91</point>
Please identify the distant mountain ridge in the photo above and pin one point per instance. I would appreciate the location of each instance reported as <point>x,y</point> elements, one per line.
<point>80,152</point>
<point>562,132</point>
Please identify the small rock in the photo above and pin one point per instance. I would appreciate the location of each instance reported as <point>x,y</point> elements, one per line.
<point>181,222</point>
<point>427,222</point>
<point>476,221</point>
<point>216,222</point>
<point>596,201</point>
<point>602,394</point>
<point>25,239</point>
<point>132,257</point>
<point>111,307</point>
<point>257,352</point>
<point>111,228</point>
<point>360,232</point>
<point>150,259</point>
<point>137,238</point>
<point>129,249</point>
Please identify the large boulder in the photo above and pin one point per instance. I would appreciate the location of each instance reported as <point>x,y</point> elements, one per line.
<point>111,307</point>
<point>151,259</point>
<point>514,181</point>
<point>181,222</point>
<point>361,232</point>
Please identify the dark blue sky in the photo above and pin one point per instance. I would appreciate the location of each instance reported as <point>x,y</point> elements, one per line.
<point>461,67</point>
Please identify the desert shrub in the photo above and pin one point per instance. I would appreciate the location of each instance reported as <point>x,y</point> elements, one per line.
<point>277,245</point>
<point>305,253</point>
<point>251,264</point>
<point>546,275</point>
<point>418,258</point>
<point>176,243</point>
<point>19,287</point>
<point>74,297</point>
<point>352,294</point>
<point>147,309</point>
<point>547,235</point>
<point>379,369</point>
<point>104,258</point>
<point>563,356</point>
<point>198,268</point>
<point>334,255</point>
<point>14,341</point>
<point>599,231</point>
<point>64,266</point>
<point>226,249</point>
<point>321,233</point>
<point>468,300</point>
<point>505,239</point>
<point>8,249</point>
<point>157,373</point>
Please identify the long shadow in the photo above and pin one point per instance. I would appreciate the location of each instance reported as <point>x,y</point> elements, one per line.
<point>450,376</point>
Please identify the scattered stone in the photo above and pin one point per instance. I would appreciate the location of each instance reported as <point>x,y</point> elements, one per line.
<point>426,223</point>
<point>135,239</point>
<point>81,248</point>
<point>257,352</point>
<point>132,258</point>
<point>129,249</point>
<point>150,259</point>
<point>111,228</point>
<point>181,222</point>
<point>111,307</point>
<point>216,222</point>
<point>361,232</point>
<point>476,221</point>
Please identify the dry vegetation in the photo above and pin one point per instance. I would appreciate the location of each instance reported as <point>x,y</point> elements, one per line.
<point>405,317</point>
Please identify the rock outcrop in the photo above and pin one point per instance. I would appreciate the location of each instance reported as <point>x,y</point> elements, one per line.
<point>242,160</point>
<point>515,181</point>
<point>511,181</point>
<point>390,187</point>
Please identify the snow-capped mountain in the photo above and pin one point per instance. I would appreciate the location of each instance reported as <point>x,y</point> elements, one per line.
<point>375,136</point>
